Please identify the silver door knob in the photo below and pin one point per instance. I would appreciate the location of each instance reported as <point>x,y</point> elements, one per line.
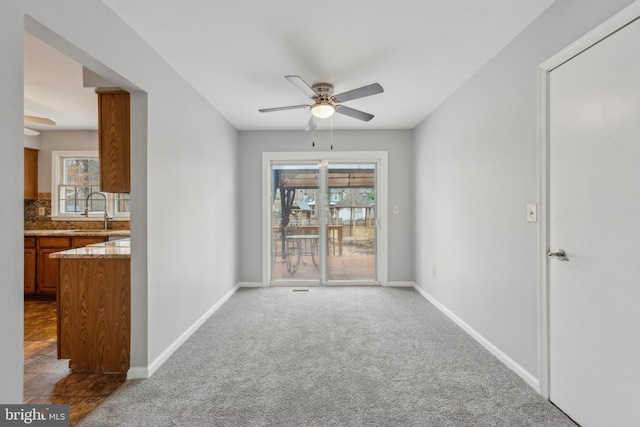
<point>559,254</point>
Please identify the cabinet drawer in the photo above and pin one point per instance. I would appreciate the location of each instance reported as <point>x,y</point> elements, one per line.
<point>29,242</point>
<point>53,242</point>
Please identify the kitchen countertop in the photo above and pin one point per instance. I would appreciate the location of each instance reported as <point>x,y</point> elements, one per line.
<point>113,249</point>
<point>79,233</point>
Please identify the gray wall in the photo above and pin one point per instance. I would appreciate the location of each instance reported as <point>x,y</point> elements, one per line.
<point>183,163</point>
<point>476,170</point>
<point>11,208</point>
<point>396,143</point>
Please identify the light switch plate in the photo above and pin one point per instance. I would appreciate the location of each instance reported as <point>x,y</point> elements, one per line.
<point>532,212</point>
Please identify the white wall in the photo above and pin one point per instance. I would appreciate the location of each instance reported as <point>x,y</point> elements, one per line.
<point>475,163</point>
<point>183,164</point>
<point>397,143</point>
<point>86,140</point>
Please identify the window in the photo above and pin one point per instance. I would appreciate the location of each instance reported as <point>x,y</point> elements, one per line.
<point>76,188</point>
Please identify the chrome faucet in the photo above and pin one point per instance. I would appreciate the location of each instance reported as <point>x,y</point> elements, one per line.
<point>106,214</point>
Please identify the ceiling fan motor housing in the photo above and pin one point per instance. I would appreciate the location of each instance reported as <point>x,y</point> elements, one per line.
<point>324,90</point>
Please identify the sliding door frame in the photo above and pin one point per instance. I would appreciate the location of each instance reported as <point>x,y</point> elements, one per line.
<point>377,157</point>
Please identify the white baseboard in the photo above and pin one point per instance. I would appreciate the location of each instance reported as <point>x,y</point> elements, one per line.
<point>400,284</point>
<point>146,372</point>
<point>137,373</point>
<point>511,364</point>
<point>252,285</point>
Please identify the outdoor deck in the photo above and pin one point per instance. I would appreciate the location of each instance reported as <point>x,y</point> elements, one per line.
<point>345,267</point>
<point>350,253</point>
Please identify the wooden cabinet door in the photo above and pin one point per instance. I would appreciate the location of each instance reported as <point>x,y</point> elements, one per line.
<point>30,270</point>
<point>47,276</point>
<point>30,265</point>
<point>114,130</point>
<point>30,174</point>
<point>47,271</point>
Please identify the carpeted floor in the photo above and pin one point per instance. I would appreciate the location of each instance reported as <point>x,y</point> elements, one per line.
<point>343,356</point>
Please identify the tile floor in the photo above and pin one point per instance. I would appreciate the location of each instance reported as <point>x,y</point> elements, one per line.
<point>48,379</point>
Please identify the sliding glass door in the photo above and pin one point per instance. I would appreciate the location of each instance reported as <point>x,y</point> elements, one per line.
<point>351,226</point>
<point>323,221</point>
<point>295,223</point>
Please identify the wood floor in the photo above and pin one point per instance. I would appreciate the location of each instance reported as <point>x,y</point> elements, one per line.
<point>49,380</point>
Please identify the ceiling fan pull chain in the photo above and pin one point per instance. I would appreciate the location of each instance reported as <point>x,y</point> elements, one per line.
<point>331,132</point>
<point>313,132</point>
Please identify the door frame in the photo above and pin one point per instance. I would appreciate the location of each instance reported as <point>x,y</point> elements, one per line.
<point>379,157</point>
<point>604,30</point>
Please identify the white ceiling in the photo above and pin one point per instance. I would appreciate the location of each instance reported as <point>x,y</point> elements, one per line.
<point>236,53</point>
<point>53,89</point>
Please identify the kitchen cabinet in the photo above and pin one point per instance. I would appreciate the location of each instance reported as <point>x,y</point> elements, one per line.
<point>30,174</point>
<point>46,268</point>
<point>114,129</point>
<point>40,271</point>
<point>29,265</point>
<point>94,314</point>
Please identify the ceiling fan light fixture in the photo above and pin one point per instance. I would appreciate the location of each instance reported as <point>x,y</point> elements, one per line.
<point>323,110</point>
<point>325,103</point>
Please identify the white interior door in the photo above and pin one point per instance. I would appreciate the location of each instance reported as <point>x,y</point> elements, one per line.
<point>594,216</point>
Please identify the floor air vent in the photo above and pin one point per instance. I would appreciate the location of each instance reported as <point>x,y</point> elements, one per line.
<point>300,290</point>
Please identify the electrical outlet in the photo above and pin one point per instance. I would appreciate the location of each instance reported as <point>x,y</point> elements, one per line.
<point>41,211</point>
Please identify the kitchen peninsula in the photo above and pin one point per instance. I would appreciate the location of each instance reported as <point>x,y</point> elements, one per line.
<point>94,306</point>
<point>40,271</point>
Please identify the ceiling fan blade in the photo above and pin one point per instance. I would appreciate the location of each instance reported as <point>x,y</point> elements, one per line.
<point>302,85</point>
<point>39,120</point>
<point>291,107</point>
<point>356,114</point>
<point>361,92</point>
<point>311,124</point>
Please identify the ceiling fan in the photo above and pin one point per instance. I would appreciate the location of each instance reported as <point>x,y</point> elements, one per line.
<point>38,121</point>
<point>326,103</point>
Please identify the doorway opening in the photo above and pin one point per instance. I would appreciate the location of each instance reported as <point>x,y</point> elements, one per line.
<point>44,375</point>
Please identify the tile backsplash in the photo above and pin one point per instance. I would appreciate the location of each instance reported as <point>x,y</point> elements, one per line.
<point>34,221</point>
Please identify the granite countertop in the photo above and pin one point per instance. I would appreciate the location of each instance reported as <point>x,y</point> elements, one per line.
<point>113,249</point>
<point>79,233</point>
